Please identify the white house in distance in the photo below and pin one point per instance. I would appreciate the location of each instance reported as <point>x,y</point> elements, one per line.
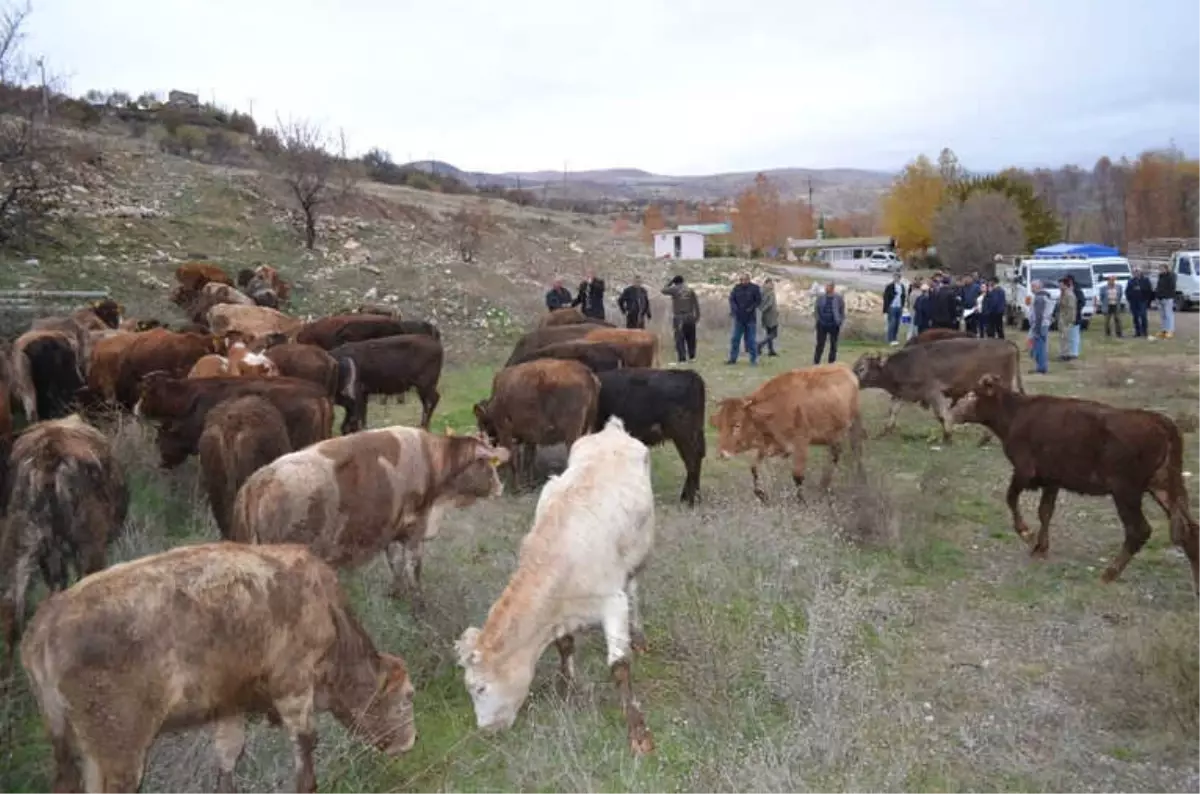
<point>842,253</point>
<point>678,244</point>
<point>687,241</point>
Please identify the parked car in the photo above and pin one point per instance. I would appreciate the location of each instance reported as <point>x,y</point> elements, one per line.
<point>883,261</point>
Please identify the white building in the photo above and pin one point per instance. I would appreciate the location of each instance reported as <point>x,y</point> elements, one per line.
<point>678,244</point>
<point>844,253</point>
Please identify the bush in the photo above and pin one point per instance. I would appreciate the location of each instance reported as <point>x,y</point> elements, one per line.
<point>184,141</point>
<point>243,123</point>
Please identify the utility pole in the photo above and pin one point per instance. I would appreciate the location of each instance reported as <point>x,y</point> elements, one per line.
<point>41,65</point>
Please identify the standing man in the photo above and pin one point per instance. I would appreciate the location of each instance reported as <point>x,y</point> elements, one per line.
<point>831,313</point>
<point>634,303</point>
<point>744,300</point>
<point>969,292</point>
<point>558,297</point>
<point>894,295</point>
<point>1138,293</point>
<point>1110,306</point>
<point>1066,318</point>
<point>1164,292</point>
<point>685,313</point>
<point>994,304</point>
<point>591,296</point>
<point>944,306</point>
<point>770,317</point>
<point>921,318</point>
<point>1039,327</point>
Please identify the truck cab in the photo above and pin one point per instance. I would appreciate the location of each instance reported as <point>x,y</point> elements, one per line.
<point>1186,267</point>
<point>1048,270</point>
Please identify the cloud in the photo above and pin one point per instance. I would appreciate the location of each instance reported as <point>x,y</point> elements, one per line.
<point>669,87</point>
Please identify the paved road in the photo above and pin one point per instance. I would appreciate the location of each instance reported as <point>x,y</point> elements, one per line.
<point>863,280</point>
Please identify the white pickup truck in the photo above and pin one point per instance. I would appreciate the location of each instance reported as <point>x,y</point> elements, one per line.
<point>1186,267</point>
<point>1048,271</point>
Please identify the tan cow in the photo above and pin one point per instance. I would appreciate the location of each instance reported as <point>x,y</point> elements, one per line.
<point>592,531</point>
<point>253,324</point>
<point>787,414</point>
<point>350,498</point>
<point>239,363</point>
<point>207,634</point>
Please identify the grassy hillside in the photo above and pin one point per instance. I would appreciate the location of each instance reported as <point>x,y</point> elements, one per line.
<point>895,636</point>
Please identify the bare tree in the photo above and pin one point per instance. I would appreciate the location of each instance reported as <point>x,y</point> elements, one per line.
<point>14,66</point>
<point>970,234</point>
<point>306,167</point>
<point>1112,188</point>
<point>469,226</point>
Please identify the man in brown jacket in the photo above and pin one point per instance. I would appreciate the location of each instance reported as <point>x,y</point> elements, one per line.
<point>685,313</point>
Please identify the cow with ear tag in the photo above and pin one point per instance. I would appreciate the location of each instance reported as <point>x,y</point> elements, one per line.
<point>351,497</point>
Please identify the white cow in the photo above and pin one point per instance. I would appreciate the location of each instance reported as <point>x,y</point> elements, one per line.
<point>592,530</point>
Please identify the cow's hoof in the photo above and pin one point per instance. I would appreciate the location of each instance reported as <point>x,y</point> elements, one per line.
<point>761,494</point>
<point>637,641</point>
<point>641,741</point>
<point>1109,576</point>
<point>1038,553</point>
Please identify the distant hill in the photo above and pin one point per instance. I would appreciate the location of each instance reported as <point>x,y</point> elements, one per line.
<point>835,191</point>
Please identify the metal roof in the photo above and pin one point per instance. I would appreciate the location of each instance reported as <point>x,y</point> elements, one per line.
<point>676,231</point>
<point>842,242</point>
<point>707,228</point>
<point>1076,249</point>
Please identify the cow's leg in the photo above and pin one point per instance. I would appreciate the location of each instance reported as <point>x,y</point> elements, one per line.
<point>1137,532</point>
<point>566,662</point>
<point>941,409</point>
<point>689,453</point>
<point>835,455</point>
<point>429,401</point>
<point>66,769</point>
<point>616,634</point>
<point>758,490</point>
<point>1013,497</point>
<point>404,558</point>
<point>893,412</point>
<point>1185,533</point>
<point>229,740</point>
<point>1045,513</point>
<point>799,465</point>
<point>296,715</point>
<point>637,633</point>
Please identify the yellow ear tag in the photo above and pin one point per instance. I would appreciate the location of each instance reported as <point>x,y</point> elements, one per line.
<point>495,461</point>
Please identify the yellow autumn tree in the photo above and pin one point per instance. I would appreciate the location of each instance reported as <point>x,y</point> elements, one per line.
<point>909,207</point>
<point>757,223</point>
<point>652,221</point>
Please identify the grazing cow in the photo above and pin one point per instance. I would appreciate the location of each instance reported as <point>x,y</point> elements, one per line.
<point>549,401</point>
<point>659,405</point>
<point>258,288</point>
<point>542,337</point>
<point>252,323</point>
<point>391,365</point>
<point>638,348</point>
<point>596,356</point>
<point>787,414</point>
<point>66,499</point>
<point>338,329</point>
<point>203,634</point>
<point>46,377</point>
<point>592,531</point>
<point>104,368</point>
<point>159,350</point>
<point>935,374</point>
<point>350,498</point>
<point>241,435</point>
<point>567,316</point>
<point>1091,448</point>
<point>239,363</point>
<point>102,315</point>
<point>214,294</point>
<point>936,334</point>
<point>309,362</point>
<point>270,276</point>
<point>192,276</point>
<point>181,407</point>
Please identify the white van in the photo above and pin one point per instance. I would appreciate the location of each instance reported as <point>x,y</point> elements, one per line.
<point>1186,267</point>
<point>1048,271</point>
<point>1105,266</point>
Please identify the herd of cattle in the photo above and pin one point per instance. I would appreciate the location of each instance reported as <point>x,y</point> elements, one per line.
<point>258,623</point>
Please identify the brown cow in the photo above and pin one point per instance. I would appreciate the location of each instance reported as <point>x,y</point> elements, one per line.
<point>192,276</point>
<point>241,435</point>
<point>159,350</point>
<point>567,316</point>
<point>1091,448</point>
<point>309,362</point>
<point>181,407</point>
<point>787,414</point>
<point>338,329</point>
<point>350,498</point>
<point>936,334</point>
<point>105,366</point>
<point>391,365</point>
<point>935,374</point>
<point>67,499</point>
<point>535,340</point>
<point>596,356</point>
<point>239,363</point>
<point>214,294</point>
<point>46,376</point>
<point>638,348</point>
<point>270,276</point>
<point>548,401</point>
<point>207,634</point>
<point>102,315</point>
<point>252,323</point>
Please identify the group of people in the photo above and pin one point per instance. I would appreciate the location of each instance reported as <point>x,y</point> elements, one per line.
<point>1139,293</point>
<point>974,304</point>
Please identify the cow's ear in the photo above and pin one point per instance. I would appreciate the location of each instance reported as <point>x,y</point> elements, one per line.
<point>464,647</point>
<point>447,429</point>
<point>493,455</point>
<point>987,384</point>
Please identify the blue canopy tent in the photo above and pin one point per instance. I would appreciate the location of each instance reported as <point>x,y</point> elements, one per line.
<point>1076,249</point>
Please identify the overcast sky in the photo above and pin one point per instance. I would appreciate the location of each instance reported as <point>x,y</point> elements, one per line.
<point>672,87</point>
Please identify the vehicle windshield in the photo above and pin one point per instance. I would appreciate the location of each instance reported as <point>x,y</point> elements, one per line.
<point>1188,265</point>
<point>1112,267</point>
<point>1049,276</point>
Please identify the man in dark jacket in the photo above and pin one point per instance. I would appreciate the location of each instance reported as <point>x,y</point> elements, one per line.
<point>922,320</point>
<point>634,303</point>
<point>591,296</point>
<point>830,311</point>
<point>944,306</point>
<point>558,297</point>
<point>994,304</point>
<point>894,296</point>
<point>744,300</point>
<point>1138,294</point>
<point>969,293</point>
<point>685,313</point>
<point>1164,293</point>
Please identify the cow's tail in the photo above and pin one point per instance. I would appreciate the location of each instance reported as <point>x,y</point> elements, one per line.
<point>1185,532</point>
<point>1020,381</point>
<point>857,434</point>
<point>655,360</point>
<point>23,384</point>
<point>241,520</point>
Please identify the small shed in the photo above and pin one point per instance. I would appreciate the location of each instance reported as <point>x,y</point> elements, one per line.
<point>678,244</point>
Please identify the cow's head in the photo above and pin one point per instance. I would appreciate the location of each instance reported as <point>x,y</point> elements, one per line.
<point>475,461</point>
<point>483,420</point>
<point>109,312</point>
<point>868,369</point>
<point>981,403</point>
<point>174,446</point>
<point>497,686</point>
<point>385,719</point>
<point>735,423</point>
<point>153,390</point>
